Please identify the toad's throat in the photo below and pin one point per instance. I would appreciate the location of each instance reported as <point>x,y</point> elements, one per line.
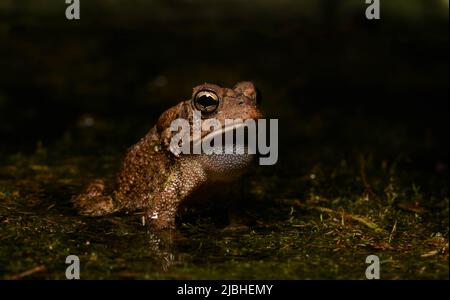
<point>234,139</point>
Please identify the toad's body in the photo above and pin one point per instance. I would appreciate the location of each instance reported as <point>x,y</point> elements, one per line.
<point>155,180</point>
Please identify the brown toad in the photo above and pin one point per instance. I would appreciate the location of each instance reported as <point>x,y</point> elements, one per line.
<point>155,179</point>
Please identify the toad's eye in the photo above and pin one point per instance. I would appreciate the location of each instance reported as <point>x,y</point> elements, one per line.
<point>206,101</point>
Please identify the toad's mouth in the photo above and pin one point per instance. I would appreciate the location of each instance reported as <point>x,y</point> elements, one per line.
<point>230,139</point>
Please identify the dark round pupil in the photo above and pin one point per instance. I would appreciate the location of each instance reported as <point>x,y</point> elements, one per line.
<point>206,101</point>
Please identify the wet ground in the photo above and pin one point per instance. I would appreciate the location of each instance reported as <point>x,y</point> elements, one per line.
<point>363,163</point>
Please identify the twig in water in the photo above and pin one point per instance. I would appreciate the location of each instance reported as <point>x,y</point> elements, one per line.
<point>26,273</point>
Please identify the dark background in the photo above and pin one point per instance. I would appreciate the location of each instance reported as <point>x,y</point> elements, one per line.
<point>319,64</point>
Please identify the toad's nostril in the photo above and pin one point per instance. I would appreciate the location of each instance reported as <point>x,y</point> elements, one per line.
<point>241,102</point>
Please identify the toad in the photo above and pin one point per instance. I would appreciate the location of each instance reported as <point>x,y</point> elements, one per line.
<point>157,180</point>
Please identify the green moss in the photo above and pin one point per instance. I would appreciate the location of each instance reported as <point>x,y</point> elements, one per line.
<point>324,230</point>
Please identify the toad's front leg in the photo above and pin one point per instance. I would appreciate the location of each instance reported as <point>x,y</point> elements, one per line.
<point>182,182</point>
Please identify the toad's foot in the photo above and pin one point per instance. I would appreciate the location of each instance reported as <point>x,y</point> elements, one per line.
<point>93,201</point>
<point>238,222</point>
<point>238,219</point>
<point>236,228</point>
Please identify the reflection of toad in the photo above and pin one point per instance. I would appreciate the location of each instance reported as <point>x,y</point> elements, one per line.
<point>156,181</point>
